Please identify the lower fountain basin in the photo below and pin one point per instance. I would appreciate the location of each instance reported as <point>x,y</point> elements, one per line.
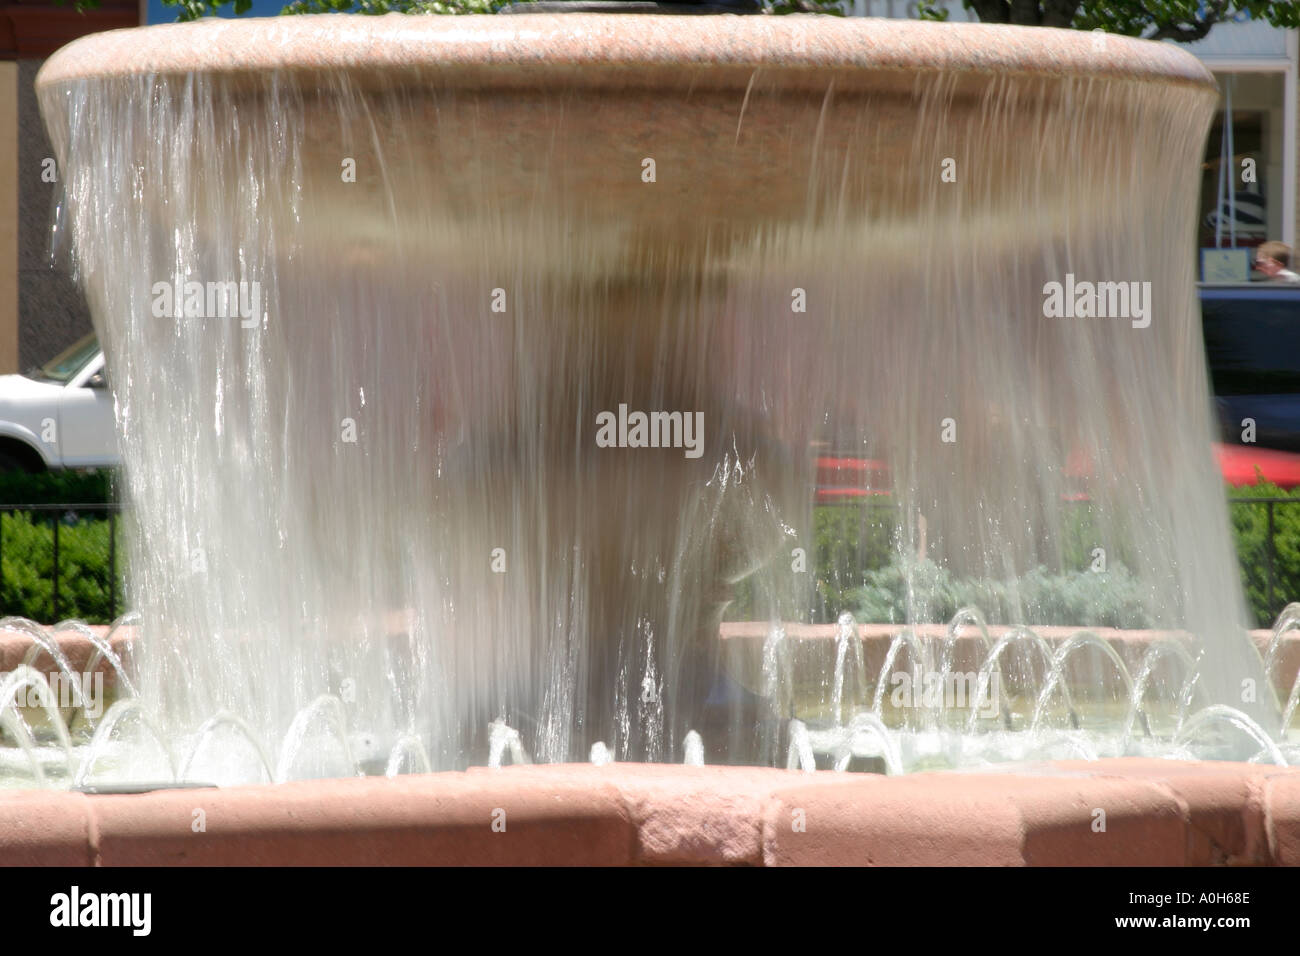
<point>886,717</point>
<point>1155,813</point>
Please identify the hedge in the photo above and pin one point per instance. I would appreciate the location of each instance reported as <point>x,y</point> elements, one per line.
<point>1250,528</point>
<point>27,547</point>
<point>856,567</point>
<point>85,588</point>
<point>854,564</point>
<point>92,486</point>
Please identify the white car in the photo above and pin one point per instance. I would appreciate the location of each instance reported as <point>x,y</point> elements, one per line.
<point>59,415</point>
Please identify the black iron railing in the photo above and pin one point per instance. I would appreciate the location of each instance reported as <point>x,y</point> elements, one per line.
<point>1270,543</point>
<point>58,514</point>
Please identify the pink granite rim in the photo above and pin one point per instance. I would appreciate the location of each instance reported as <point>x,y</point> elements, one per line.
<point>75,646</point>
<point>629,50</point>
<point>16,644</point>
<point>869,631</point>
<point>1115,812</point>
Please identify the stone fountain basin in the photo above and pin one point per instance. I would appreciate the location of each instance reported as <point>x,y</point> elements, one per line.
<point>1157,813</point>
<point>759,92</point>
<point>725,106</point>
<point>523,140</point>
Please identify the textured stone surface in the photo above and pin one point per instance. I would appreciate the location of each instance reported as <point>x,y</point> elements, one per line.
<point>1225,812</point>
<point>1280,795</point>
<point>39,828</point>
<point>444,819</point>
<point>572,44</point>
<point>1155,813</point>
<point>994,819</point>
<point>709,815</point>
<point>15,646</point>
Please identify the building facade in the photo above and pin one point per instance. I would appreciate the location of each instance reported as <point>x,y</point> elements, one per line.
<point>41,309</point>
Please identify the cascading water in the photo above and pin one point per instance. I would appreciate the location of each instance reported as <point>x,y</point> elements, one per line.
<point>375,512</point>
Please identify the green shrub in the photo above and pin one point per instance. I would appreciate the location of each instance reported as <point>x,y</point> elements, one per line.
<point>855,565</point>
<point>27,561</point>
<point>1112,598</point>
<point>1250,529</point>
<point>27,547</point>
<point>851,541</point>
<point>56,487</point>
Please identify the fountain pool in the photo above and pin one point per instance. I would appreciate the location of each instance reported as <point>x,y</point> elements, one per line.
<point>383,524</point>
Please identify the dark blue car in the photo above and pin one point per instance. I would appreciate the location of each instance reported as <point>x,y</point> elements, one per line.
<point>1252,344</point>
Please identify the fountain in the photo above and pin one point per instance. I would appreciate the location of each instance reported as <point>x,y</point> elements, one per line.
<point>472,375</point>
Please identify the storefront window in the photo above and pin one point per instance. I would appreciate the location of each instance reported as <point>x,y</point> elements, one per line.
<point>1241,185</point>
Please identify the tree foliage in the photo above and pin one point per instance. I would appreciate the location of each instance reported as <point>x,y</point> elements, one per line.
<point>195,9</point>
<point>1182,20</point>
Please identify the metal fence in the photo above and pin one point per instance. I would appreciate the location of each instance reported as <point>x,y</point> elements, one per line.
<point>1273,575</point>
<point>1270,544</point>
<point>57,515</point>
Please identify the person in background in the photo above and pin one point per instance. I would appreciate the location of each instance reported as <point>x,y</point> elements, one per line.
<point>1273,261</point>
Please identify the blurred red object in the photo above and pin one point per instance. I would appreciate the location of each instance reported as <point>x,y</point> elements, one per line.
<point>847,479</point>
<point>1238,464</point>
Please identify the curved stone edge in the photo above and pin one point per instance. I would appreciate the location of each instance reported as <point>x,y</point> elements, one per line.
<point>76,648</point>
<point>1156,813</point>
<point>588,48</point>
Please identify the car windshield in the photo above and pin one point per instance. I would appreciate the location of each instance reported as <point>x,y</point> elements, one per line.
<point>70,361</point>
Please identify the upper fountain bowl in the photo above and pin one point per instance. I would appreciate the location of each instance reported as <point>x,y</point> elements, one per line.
<point>612,51</point>
<point>748,122</point>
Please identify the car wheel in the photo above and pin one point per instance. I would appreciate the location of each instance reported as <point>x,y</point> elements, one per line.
<point>12,462</point>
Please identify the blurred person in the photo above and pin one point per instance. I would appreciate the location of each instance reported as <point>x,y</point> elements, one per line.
<point>1273,261</point>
